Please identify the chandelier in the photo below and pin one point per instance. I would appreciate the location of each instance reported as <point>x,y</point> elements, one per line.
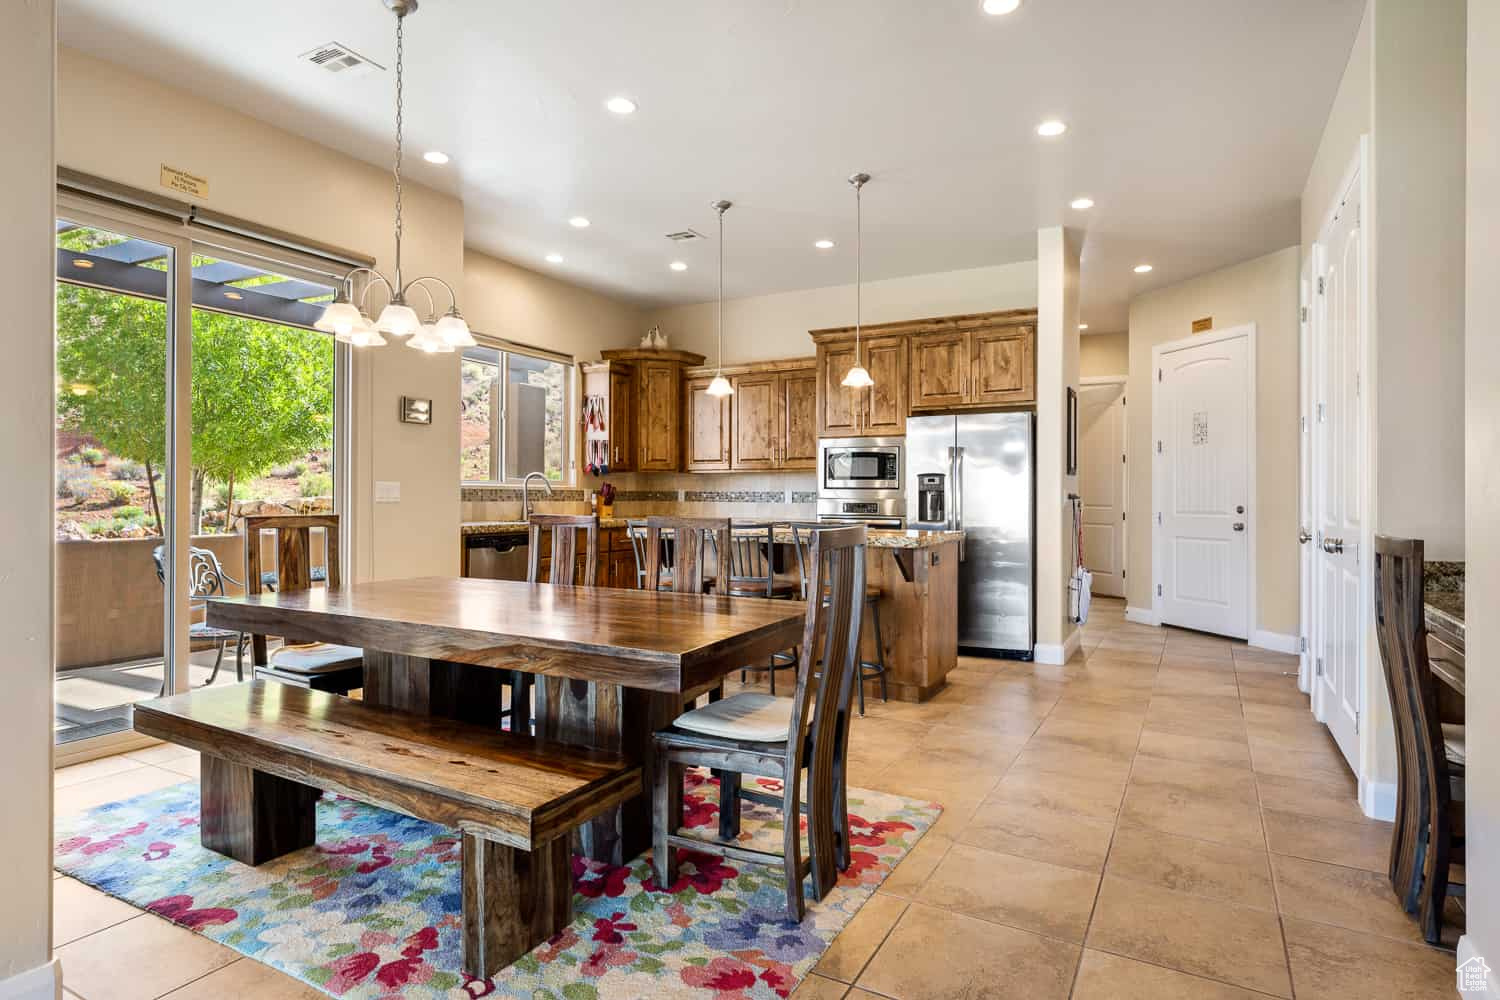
<point>351,324</point>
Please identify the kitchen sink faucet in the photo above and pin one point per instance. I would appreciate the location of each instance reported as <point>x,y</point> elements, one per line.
<point>526,493</point>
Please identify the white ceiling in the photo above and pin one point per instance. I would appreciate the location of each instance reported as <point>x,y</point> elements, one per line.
<point>1192,125</point>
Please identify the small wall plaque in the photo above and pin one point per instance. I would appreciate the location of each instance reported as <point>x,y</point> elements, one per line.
<point>416,411</point>
<point>183,182</point>
<point>1203,325</point>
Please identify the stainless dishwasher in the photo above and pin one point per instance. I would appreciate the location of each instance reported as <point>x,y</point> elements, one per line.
<point>497,557</point>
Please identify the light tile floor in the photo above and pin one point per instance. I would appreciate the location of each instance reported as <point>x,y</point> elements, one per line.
<point>1160,818</point>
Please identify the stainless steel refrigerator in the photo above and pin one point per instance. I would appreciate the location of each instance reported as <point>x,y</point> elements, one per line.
<point>975,473</point>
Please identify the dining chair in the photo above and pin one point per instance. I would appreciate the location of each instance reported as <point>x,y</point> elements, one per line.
<point>1428,836</point>
<point>691,537</point>
<point>206,578</point>
<point>752,573</point>
<point>767,736</point>
<point>561,532</point>
<point>322,666</point>
<point>802,531</point>
<point>635,530</point>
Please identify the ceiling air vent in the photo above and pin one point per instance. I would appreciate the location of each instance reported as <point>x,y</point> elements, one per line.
<point>336,57</point>
<point>684,236</point>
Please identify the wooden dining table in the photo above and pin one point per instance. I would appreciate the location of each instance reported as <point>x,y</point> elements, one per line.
<point>611,666</point>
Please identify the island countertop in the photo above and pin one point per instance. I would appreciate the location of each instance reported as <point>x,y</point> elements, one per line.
<point>877,538</point>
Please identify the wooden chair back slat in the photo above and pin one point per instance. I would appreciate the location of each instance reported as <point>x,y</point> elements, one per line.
<point>751,557</point>
<point>564,529</point>
<point>690,540</point>
<point>829,659</point>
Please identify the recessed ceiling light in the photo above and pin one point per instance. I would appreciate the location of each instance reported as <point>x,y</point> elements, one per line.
<point>85,264</point>
<point>554,258</point>
<point>1142,268</point>
<point>1083,326</point>
<point>824,244</point>
<point>1082,204</point>
<point>435,156</point>
<point>678,265</point>
<point>995,7</point>
<point>233,295</point>
<point>578,222</point>
<point>1051,128</point>
<point>621,105</point>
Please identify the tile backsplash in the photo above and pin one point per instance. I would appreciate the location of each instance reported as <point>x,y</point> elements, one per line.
<point>744,495</point>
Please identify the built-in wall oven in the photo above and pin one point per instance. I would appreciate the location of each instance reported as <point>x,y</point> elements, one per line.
<point>862,481</point>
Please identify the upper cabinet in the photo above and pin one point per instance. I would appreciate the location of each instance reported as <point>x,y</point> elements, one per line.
<point>925,366</point>
<point>645,406</point>
<point>768,424</point>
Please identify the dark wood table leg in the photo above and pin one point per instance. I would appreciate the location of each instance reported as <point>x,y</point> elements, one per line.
<point>252,816</point>
<point>616,718</point>
<point>513,900</point>
<point>434,687</point>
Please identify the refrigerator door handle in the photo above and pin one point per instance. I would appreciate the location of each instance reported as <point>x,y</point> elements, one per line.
<point>957,479</point>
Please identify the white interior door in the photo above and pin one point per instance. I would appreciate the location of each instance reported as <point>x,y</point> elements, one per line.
<point>1203,483</point>
<point>1305,477</point>
<point>1101,483</point>
<point>1338,474</point>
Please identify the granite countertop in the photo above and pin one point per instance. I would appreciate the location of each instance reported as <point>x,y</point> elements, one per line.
<point>1443,597</point>
<point>877,538</point>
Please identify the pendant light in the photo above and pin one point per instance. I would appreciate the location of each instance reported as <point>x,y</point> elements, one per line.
<point>720,385</point>
<point>352,324</point>
<point>858,377</point>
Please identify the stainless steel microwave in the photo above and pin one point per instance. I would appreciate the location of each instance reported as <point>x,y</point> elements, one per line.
<point>858,467</point>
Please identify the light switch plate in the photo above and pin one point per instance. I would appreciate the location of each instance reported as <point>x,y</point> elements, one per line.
<point>387,492</point>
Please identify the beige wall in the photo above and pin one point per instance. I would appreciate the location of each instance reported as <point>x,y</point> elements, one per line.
<point>123,126</point>
<point>1056,369</point>
<point>509,301</point>
<point>1262,291</point>
<point>26,266</point>
<point>1417,271</point>
<point>1102,354</point>
<point>1482,538</point>
<point>766,327</point>
<point>1348,119</point>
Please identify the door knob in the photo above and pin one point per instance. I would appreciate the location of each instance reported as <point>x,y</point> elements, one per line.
<point>1240,509</point>
<point>1303,536</point>
<point>1239,526</point>
<point>1333,546</point>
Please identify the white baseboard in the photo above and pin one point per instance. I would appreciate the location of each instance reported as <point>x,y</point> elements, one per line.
<point>1377,799</point>
<point>1053,653</point>
<point>1141,616</point>
<point>1276,642</point>
<point>1468,950</point>
<point>42,983</point>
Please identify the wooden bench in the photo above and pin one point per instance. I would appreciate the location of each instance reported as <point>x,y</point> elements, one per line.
<point>270,749</point>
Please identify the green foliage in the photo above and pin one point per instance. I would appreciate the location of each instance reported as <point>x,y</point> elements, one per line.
<point>128,471</point>
<point>129,513</point>
<point>90,456</point>
<point>120,492</point>
<point>316,484</point>
<point>262,394</point>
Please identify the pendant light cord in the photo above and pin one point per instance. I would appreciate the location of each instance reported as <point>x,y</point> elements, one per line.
<point>400,53</point>
<point>859,264</point>
<point>719,367</point>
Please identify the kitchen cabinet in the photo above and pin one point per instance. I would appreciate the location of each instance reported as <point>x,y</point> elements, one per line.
<point>874,412</point>
<point>614,383</point>
<point>706,432</point>
<point>953,363</point>
<point>645,393</point>
<point>798,394</point>
<point>757,422</point>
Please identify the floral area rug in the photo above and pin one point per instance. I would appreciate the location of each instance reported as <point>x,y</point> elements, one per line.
<point>372,910</point>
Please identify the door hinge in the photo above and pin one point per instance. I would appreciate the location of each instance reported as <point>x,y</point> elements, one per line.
<point>1122,515</point>
<point>1158,374</point>
<point>1320,286</point>
<point>1322,413</point>
<point>1158,517</point>
<point>1158,447</point>
<point>1302,644</point>
<point>1122,458</point>
<point>1304,425</point>
<point>1304,314</point>
<point>1356,723</point>
<point>1318,667</point>
<point>1158,590</point>
<point>1122,574</point>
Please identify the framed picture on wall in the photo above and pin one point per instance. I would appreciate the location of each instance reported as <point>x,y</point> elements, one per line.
<point>1072,431</point>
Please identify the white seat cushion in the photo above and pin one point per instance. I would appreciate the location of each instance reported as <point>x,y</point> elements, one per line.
<point>1453,742</point>
<point>316,658</point>
<point>759,718</point>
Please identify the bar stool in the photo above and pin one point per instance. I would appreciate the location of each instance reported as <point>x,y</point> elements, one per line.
<point>563,569</point>
<point>752,573</point>
<point>802,532</point>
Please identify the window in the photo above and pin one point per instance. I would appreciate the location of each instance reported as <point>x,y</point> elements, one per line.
<point>513,413</point>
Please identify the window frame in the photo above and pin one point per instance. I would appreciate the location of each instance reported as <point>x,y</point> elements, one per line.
<point>505,348</point>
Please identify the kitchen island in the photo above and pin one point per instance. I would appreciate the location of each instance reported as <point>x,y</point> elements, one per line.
<point>915,573</point>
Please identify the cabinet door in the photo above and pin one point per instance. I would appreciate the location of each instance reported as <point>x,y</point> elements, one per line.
<point>1002,365</point>
<point>757,422</point>
<point>885,401</point>
<point>839,409</point>
<point>939,369</point>
<point>622,418</point>
<point>799,419</point>
<point>658,427</point>
<point>622,570</point>
<point>707,431</point>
